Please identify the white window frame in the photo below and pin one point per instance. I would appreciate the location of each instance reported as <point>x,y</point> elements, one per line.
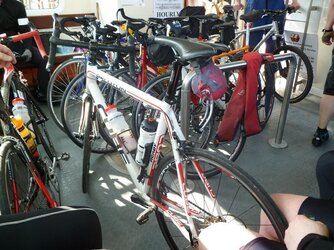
<point>44,12</point>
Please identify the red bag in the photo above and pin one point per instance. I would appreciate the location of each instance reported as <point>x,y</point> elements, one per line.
<point>243,101</point>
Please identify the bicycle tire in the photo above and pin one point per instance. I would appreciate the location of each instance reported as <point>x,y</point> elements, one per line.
<point>245,211</point>
<point>71,114</point>
<point>58,82</point>
<point>29,197</point>
<point>304,81</point>
<point>266,95</point>
<point>38,120</point>
<point>231,149</point>
<point>87,144</point>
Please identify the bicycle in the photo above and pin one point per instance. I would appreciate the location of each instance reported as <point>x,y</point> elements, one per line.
<point>304,75</point>
<point>182,206</point>
<point>28,178</point>
<point>67,70</point>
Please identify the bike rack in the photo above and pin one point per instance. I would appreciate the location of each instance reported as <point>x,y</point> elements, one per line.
<point>276,142</point>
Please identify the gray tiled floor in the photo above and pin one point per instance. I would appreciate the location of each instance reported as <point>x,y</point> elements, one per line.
<point>279,170</point>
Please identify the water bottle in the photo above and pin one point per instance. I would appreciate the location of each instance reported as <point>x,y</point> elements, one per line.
<point>147,131</point>
<point>21,110</point>
<point>121,128</point>
<point>27,135</point>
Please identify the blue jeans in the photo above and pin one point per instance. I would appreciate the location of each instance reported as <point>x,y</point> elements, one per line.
<point>255,37</point>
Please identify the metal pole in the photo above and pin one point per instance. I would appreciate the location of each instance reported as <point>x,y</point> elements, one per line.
<point>278,141</point>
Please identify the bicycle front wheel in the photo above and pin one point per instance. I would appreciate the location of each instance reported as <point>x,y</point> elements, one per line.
<point>19,190</point>
<point>87,141</point>
<point>58,82</point>
<point>304,81</point>
<point>232,196</point>
<point>71,106</point>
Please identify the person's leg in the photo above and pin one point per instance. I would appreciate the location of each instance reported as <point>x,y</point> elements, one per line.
<point>319,210</point>
<point>231,236</point>
<point>325,175</point>
<point>289,205</point>
<point>42,75</point>
<point>326,110</point>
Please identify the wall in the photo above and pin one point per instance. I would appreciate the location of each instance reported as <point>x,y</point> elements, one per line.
<point>77,6</point>
<point>108,9</point>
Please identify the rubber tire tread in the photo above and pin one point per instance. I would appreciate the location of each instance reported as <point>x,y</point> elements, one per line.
<point>309,71</point>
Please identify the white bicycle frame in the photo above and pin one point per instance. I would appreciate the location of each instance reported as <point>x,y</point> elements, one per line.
<point>170,124</point>
<point>273,31</point>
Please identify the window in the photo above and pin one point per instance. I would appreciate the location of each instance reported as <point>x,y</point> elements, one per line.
<point>43,7</point>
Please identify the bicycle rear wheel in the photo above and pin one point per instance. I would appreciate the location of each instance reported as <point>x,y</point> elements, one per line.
<point>71,106</point>
<point>18,187</point>
<point>58,82</point>
<point>236,195</point>
<point>304,81</point>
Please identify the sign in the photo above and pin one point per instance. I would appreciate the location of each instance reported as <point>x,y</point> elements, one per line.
<point>167,8</point>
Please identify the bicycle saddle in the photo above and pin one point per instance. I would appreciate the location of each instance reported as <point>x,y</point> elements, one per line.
<point>186,50</point>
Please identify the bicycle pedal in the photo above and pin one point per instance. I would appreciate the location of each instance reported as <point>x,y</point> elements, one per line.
<point>64,156</point>
<point>135,198</point>
<point>144,216</point>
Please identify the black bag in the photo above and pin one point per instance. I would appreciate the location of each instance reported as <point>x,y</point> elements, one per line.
<point>193,22</point>
<point>160,55</point>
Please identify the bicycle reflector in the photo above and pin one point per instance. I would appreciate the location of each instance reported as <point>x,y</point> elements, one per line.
<point>209,82</point>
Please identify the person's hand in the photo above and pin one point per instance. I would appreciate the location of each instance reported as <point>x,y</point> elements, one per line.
<point>238,6</point>
<point>301,226</point>
<point>295,6</point>
<point>327,37</point>
<point>6,56</point>
<point>27,55</point>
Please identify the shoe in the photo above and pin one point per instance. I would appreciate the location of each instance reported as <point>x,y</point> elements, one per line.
<point>319,138</point>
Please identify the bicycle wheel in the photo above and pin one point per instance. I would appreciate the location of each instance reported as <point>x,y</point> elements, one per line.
<point>200,135</point>
<point>58,82</point>
<point>71,106</point>
<point>266,94</point>
<point>87,140</point>
<point>304,81</point>
<point>123,102</point>
<point>38,120</point>
<point>18,186</point>
<point>235,194</point>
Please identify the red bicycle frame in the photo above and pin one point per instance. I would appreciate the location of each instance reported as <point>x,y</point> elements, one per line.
<point>9,70</point>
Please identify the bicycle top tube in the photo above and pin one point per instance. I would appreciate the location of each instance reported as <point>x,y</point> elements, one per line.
<point>254,15</point>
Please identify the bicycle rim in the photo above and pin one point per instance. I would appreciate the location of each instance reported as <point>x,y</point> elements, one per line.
<point>304,81</point>
<point>71,114</point>
<point>29,197</point>
<point>58,82</point>
<point>239,197</point>
<point>123,102</point>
